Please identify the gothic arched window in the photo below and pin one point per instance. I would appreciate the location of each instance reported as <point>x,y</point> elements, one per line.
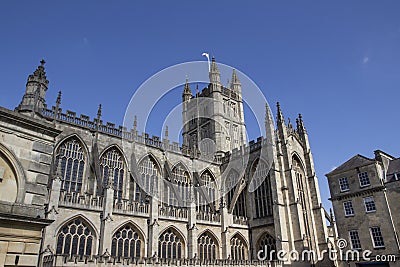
<point>75,238</point>
<point>112,166</point>
<point>126,243</point>
<point>149,172</point>
<point>208,183</point>
<point>240,205</point>
<point>268,245</point>
<point>230,185</point>
<point>239,249</point>
<point>207,247</point>
<point>301,189</point>
<point>181,180</point>
<point>72,159</point>
<point>262,195</point>
<point>170,245</point>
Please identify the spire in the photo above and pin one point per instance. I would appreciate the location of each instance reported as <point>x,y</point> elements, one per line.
<point>99,113</point>
<point>300,124</point>
<point>135,123</point>
<point>214,74</point>
<point>98,117</point>
<point>58,103</point>
<point>235,82</point>
<point>58,100</point>
<point>290,126</point>
<point>166,132</point>
<point>187,92</point>
<point>269,123</point>
<point>35,91</point>
<point>280,115</point>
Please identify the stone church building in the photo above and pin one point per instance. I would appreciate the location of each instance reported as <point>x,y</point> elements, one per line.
<point>76,191</point>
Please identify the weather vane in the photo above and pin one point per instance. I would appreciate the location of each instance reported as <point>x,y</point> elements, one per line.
<point>208,59</point>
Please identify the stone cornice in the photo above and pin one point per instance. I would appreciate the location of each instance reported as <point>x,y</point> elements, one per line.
<point>33,124</point>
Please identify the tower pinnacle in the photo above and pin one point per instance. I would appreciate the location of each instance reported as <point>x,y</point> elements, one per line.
<point>215,76</point>
<point>33,100</point>
<point>235,82</point>
<point>187,92</point>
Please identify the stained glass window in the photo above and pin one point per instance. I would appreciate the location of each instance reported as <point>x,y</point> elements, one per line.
<point>181,180</point>
<point>75,238</point>
<point>149,172</point>
<point>112,164</point>
<point>72,159</point>
<point>170,245</point>
<point>262,195</point>
<point>207,246</point>
<point>268,245</point>
<point>208,188</point>
<point>238,248</point>
<point>126,243</point>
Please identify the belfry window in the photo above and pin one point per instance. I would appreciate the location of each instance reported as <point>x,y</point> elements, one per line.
<point>207,247</point>
<point>72,159</point>
<point>75,238</point>
<point>126,243</point>
<point>170,245</point>
<point>112,166</point>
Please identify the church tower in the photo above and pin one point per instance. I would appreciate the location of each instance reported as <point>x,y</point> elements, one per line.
<point>214,119</point>
<point>34,98</point>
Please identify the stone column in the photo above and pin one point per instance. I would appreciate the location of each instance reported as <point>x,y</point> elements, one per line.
<point>153,227</point>
<point>106,217</point>
<point>192,229</point>
<point>225,222</point>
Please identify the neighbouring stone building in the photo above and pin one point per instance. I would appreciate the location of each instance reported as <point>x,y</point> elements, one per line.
<point>365,194</point>
<point>76,191</point>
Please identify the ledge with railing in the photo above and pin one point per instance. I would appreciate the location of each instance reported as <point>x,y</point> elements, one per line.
<point>240,220</point>
<point>168,211</point>
<point>213,217</point>
<point>80,200</point>
<point>132,135</point>
<point>131,207</point>
<point>106,260</point>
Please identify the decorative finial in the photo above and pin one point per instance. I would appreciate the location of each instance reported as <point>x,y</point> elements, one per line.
<point>99,112</point>
<point>135,122</point>
<point>58,101</point>
<point>300,124</point>
<point>290,126</point>
<point>42,62</point>
<point>279,115</point>
<point>166,132</point>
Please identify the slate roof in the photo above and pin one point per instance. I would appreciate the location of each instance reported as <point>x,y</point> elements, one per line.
<point>394,167</point>
<point>356,161</point>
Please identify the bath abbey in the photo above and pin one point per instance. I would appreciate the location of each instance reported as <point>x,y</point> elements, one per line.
<point>78,191</point>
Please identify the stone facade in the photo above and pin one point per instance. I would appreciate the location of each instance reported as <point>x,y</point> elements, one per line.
<point>365,194</point>
<point>107,195</point>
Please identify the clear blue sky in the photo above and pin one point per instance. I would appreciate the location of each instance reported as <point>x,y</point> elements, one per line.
<point>336,62</point>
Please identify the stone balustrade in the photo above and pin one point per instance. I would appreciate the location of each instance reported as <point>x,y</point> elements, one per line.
<point>79,200</point>
<point>130,207</point>
<point>240,220</point>
<point>208,216</point>
<point>168,211</point>
<point>97,261</point>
